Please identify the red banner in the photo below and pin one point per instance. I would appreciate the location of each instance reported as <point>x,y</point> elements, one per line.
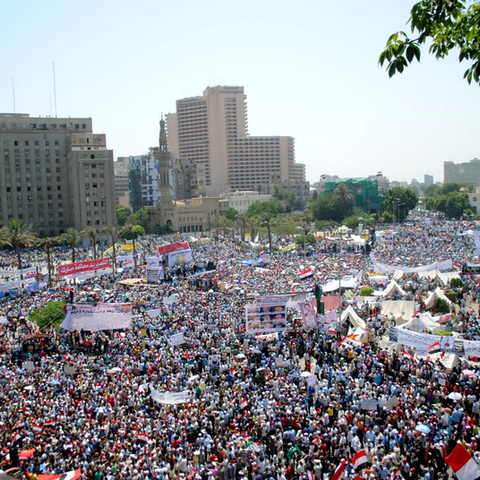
<point>173,247</point>
<point>88,265</point>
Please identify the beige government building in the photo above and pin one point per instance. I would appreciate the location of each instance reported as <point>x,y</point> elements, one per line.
<point>211,130</point>
<point>55,174</point>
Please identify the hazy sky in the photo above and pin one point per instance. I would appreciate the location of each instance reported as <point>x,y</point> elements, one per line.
<point>309,69</point>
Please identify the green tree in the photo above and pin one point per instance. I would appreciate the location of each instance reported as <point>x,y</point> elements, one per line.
<point>440,307</point>
<point>16,234</point>
<point>326,208</point>
<point>447,25</point>
<point>72,237</point>
<point>283,199</point>
<point>399,201</point>
<point>343,196</point>
<point>267,220</point>
<point>232,214</point>
<point>387,217</point>
<point>142,217</point>
<point>258,209</point>
<point>456,204</point>
<point>122,215</point>
<point>92,233</point>
<point>51,315</point>
<point>112,232</point>
<point>132,232</point>
<point>242,222</point>
<point>48,242</point>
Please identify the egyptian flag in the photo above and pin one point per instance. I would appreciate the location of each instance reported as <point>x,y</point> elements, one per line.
<point>308,273</point>
<point>434,348</point>
<point>143,437</point>
<point>37,428</point>
<point>73,475</point>
<point>338,472</point>
<point>53,423</point>
<point>409,356</point>
<point>20,425</point>
<point>359,460</point>
<point>24,455</point>
<point>462,464</point>
<point>243,403</point>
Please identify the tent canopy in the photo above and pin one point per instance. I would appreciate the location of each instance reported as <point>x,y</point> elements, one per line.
<point>355,320</point>
<point>422,323</point>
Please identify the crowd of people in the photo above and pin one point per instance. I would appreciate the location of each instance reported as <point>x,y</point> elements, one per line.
<point>224,403</point>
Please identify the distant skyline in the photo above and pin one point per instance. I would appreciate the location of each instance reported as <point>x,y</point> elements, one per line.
<point>309,70</point>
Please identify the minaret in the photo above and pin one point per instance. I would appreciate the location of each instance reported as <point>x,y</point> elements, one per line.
<point>163,137</point>
<point>166,203</point>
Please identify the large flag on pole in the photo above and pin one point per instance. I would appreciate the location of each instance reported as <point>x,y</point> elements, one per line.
<point>462,464</point>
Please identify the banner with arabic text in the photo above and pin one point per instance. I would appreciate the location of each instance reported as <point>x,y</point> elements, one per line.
<point>88,265</point>
<point>104,316</point>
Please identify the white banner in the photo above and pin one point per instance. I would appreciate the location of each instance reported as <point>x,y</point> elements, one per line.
<point>385,268</point>
<point>154,273</point>
<point>177,339</point>
<point>169,398</point>
<point>421,341</point>
<point>104,316</point>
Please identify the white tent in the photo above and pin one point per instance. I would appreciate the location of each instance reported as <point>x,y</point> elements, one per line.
<point>432,274</point>
<point>437,293</point>
<point>351,315</point>
<point>347,282</point>
<point>445,277</point>
<point>393,288</point>
<point>400,310</point>
<point>398,274</point>
<point>422,323</point>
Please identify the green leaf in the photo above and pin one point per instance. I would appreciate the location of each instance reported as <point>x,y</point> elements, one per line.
<point>410,53</point>
<point>392,69</point>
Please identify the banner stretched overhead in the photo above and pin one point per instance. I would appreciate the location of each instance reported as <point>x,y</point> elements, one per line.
<point>104,316</point>
<point>78,267</point>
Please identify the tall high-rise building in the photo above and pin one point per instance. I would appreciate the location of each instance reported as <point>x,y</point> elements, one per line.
<point>121,167</point>
<point>466,172</point>
<point>212,131</point>
<point>55,174</point>
<point>143,180</point>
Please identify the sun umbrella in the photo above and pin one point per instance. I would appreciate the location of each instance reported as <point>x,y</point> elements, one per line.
<point>454,396</point>
<point>422,428</point>
<point>54,382</point>
<point>114,370</point>
<point>468,373</point>
<point>306,374</point>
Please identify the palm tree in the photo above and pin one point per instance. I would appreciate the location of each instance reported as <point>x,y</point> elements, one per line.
<point>16,234</point>
<point>132,232</point>
<point>72,237</point>
<point>252,225</point>
<point>268,221</point>
<point>343,195</point>
<point>242,221</point>
<point>49,242</point>
<point>92,233</point>
<point>111,231</point>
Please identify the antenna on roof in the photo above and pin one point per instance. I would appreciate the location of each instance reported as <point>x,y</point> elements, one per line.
<point>54,89</point>
<point>13,94</point>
